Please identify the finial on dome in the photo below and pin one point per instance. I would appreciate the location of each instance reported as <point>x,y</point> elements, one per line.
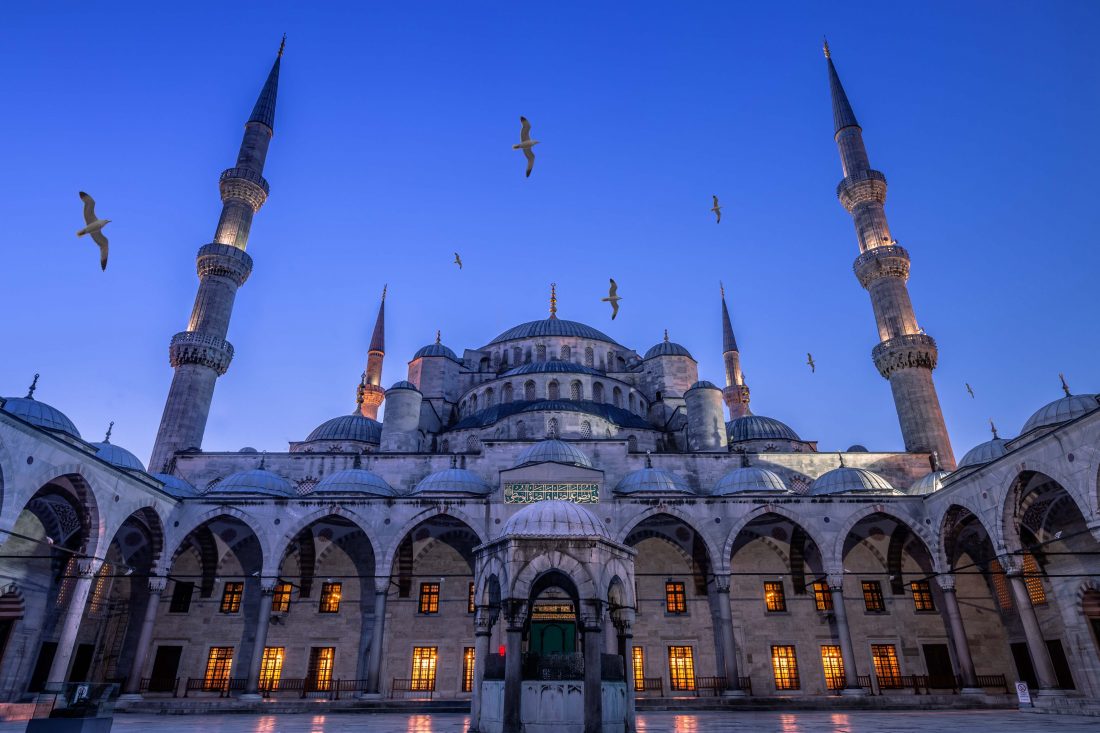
<point>934,459</point>
<point>263,458</point>
<point>744,460</point>
<point>825,47</point>
<point>1065,387</point>
<point>553,300</point>
<point>437,336</point>
<point>282,46</point>
<point>110,427</point>
<point>648,459</point>
<point>357,462</point>
<point>993,428</point>
<point>841,457</point>
<point>666,335</point>
<point>33,387</point>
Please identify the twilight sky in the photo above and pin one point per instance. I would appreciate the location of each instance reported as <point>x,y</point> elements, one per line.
<point>392,150</point>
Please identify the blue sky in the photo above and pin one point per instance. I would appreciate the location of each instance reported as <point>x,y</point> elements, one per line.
<point>392,150</point>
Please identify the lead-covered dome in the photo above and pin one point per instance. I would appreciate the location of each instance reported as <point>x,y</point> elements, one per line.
<point>436,349</point>
<point>403,384</point>
<point>40,415</point>
<point>354,481</point>
<point>652,481</point>
<point>928,483</point>
<point>176,486</point>
<point>667,348</point>
<point>1062,410</point>
<point>555,519</point>
<point>117,456</point>
<point>750,479</point>
<point>453,481</point>
<point>703,384</point>
<point>846,480</point>
<point>552,327</point>
<point>255,481</point>
<point>984,453</point>
<point>554,451</point>
<point>758,427</point>
<point>348,427</point>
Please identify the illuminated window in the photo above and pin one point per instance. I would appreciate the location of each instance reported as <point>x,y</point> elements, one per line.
<point>638,662</point>
<point>468,669</point>
<point>1000,585</point>
<point>471,606</point>
<point>823,597</point>
<point>66,588</point>
<point>675,598</point>
<point>218,665</point>
<point>922,596</point>
<point>429,598</point>
<point>872,597</point>
<point>330,597</point>
<point>681,668</point>
<point>774,599</point>
<point>181,597</point>
<point>833,664</point>
<point>319,672</point>
<point>423,669</point>
<point>1033,581</point>
<point>99,590</point>
<point>271,667</point>
<point>231,597</point>
<point>885,658</point>
<point>280,598</point>
<point>785,667</point>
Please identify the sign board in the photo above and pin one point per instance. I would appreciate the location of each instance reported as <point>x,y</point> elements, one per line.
<point>80,693</point>
<point>1023,693</point>
<point>529,493</point>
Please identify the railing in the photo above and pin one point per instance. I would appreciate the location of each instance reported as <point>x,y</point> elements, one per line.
<point>650,685</point>
<point>864,680</point>
<point>165,684</point>
<point>745,683</point>
<point>407,686</point>
<point>993,680</point>
<point>709,685</point>
<point>222,687</point>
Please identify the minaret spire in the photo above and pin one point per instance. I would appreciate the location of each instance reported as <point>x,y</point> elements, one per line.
<point>371,394</point>
<point>905,355</point>
<point>736,392</point>
<point>201,354</point>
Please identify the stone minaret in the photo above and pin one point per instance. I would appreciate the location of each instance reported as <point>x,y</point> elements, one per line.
<point>371,393</point>
<point>201,354</point>
<point>736,392</point>
<point>905,355</point>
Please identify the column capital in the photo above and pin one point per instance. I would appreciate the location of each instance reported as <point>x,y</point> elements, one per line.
<point>86,567</point>
<point>835,581</point>
<point>946,582</point>
<point>267,586</point>
<point>157,584</point>
<point>722,582</point>
<point>483,620</point>
<point>381,585</point>
<point>1012,564</point>
<point>515,613</point>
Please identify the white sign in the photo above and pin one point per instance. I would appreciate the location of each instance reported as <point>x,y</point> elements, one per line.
<point>1023,693</point>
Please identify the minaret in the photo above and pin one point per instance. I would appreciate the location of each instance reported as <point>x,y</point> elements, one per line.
<point>371,393</point>
<point>905,355</point>
<point>201,354</point>
<point>736,392</point>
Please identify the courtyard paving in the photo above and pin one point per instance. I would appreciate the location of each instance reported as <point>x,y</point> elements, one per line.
<point>704,722</point>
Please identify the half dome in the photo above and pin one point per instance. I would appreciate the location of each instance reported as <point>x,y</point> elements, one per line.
<point>354,481</point>
<point>348,427</point>
<point>652,481</point>
<point>750,479</point>
<point>554,451</point>
<point>117,456</point>
<point>453,481</point>
<point>256,481</point>
<point>846,480</point>
<point>1062,410</point>
<point>555,519</point>
<point>40,415</point>
<point>758,427</point>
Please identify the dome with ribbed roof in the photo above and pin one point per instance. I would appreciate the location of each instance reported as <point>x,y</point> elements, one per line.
<point>750,479</point>
<point>347,427</point>
<point>703,384</point>
<point>552,327</point>
<point>554,451</point>
<point>403,384</point>
<point>255,481</point>
<point>354,481</point>
<point>555,519</point>
<point>117,456</point>
<point>847,480</point>
<point>176,486</point>
<point>40,415</point>
<point>652,481</point>
<point>984,453</point>
<point>928,483</point>
<point>453,481</point>
<point>436,349</point>
<point>758,427</point>
<point>1062,410</point>
<point>667,348</point>
<point>552,367</point>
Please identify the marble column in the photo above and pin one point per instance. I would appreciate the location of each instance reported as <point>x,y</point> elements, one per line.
<point>374,659</point>
<point>513,673</point>
<point>483,628</point>
<point>844,636</point>
<point>626,643</point>
<point>967,675</point>
<point>1036,646</point>
<point>85,570</point>
<point>725,636</point>
<point>262,622</point>
<point>593,675</point>
<point>132,688</point>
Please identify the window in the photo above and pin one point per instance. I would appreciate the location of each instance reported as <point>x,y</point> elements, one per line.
<point>681,668</point>
<point>423,669</point>
<point>637,661</point>
<point>774,599</point>
<point>507,393</point>
<point>552,428</point>
<point>429,598</point>
<point>823,597</point>
<point>589,357</point>
<point>833,664</point>
<point>552,390</point>
<point>471,606</point>
<point>517,355</point>
<point>319,672</point>
<point>617,397</point>
<point>280,598</point>
<point>630,401</point>
<point>586,429</point>
<point>922,596</point>
<point>468,669</point>
<point>785,668</point>
<point>885,658</point>
<point>490,396</point>
<point>98,600</point>
<point>675,598</point>
<point>473,403</point>
<point>473,445</point>
<point>181,597</point>
<point>330,597</point>
<point>217,668</point>
<point>271,667</point>
<point>529,390</point>
<point>575,392</point>
<point>597,392</point>
<point>521,430</point>
<point>565,353</point>
<point>231,597</point>
<point>872,597</point>
<point>632,443</point>
<point>1000,585</point>
<point>540,353</point>
<point>1033,581</point>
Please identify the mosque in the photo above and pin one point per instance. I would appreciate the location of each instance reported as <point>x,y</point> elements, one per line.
<point>551,508</point>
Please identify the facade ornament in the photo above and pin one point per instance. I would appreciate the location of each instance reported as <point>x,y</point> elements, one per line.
<point>110,427</point>
<point>33,387</point>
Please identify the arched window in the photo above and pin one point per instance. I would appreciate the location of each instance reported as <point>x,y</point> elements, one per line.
<point>496,360</point>
<point>630,400</point>
<point>552,428</point>
<point>473,445</point>
<point>506,393</point>
<point>529,390</point>
<point>527,356</point>
<point>473,403</point>
<point>617,397</point>
<point>489,396</point>
<point>610,361</point>
<point>483,365</point>
<point>565,353</point>
<point>446,446</point>
<point>586,429</point>
<point>552,390</point>
<point>504,357</point>
<point>589,356</point>
<point>632,443</point>
<point>540,353</point>
<point>597,392</point>
<point>521,430</point>
<point>517,355</point>
<point>575,390</point>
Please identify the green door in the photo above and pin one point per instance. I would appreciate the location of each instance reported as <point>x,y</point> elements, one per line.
<point>553,637</point>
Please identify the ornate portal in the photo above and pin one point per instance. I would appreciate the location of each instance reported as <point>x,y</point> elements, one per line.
<point>531,492</point>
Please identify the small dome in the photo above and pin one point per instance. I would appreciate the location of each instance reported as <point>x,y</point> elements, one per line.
<point>845,480</point>
<point>40,415</point>
<point>928,483</point>
<point>346,427</point>
<point>703,384</point>
<point>667,348</point>
<point>453,480</point>
<point>758,427</point>
<point>984,453</point>
<point>554,451</point>
<point>552,327</point>
<point>1063,410</point>
<point>552,367</point>
<point>250,449</point>
<point>436,350</point>
<point>176,486</point>
<point>652,481</point>
<point>555,519</point>
<point>118,456</point>
<point>857,448</point>
<point>403,384</point>
<point>354,481</point>
<point>749,479</point>
<point>256,481</point>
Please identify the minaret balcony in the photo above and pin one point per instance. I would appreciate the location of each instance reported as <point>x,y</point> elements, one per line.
<point>223,260</point>
<point>891,260</point>
<point>244,185</point>
<point>862,187</point>
<point>191,347</point>
<point>908,351</point>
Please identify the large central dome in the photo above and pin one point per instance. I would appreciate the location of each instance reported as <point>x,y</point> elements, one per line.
<point>552,327</point>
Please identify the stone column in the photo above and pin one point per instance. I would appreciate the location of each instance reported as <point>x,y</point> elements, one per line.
<point>263,622</point>
<point>132,689</point>
<point>374,659</point>
<point>85,569</point>
<point>513,668</point>
<point>483,628</point>
<point>844,637</point>
<point>626,638</point>
<point>725,636</point>
<point>967,674</point>
<point>593,674</point>
<point>1040,657</point>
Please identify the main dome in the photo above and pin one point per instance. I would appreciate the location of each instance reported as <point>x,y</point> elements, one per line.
<point>555,519</point>
<point>554,451</point>
<point>40,415</point>
<point>552,327</point>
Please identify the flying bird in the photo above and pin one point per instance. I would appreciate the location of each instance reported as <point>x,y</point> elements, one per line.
<point>810,362</point>
<point>717,210</point>
<point>970,390</point>
<point>612,298</point>
<point>94,227</point>
<point>526,143</point>
<point>458,261</point>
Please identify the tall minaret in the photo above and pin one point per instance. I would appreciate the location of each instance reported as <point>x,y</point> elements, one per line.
<point>736,392</point>
<point>371,393</point>
<point>905,355</point>
<point>201,354</point>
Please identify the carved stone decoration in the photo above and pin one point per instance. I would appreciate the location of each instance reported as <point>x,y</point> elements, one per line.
<point>860,188</point>
<point>243,185</point>
<point>911,351</point>
<point>223,260</point>
<point>888,261</point>
<point>190,347</point>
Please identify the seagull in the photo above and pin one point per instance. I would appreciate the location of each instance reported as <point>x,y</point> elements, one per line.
<point>717,210</point>
<point>810,362</point>
<point>526,143</point>
<point>970,390</point>
<point>458,261</point>
<point>612,298</point>
<point>94,227</point>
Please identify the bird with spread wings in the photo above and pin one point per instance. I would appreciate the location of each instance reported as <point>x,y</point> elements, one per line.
<point>717,210</point>
<point>612,298</point>
<point>458,261</point>
<point>94,226</point>
<point>810,363</point>
<point>526,143</point>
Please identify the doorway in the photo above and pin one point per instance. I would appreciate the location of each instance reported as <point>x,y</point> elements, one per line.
<point>82,663</point>
<point>42,666</point>
<point>166,664</point>
<point>1024,668</point>
<point>937,660</point>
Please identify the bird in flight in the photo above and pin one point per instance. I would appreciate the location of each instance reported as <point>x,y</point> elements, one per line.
<point>458,261</point>
<point>94,226</point>
<point>717,210</point>
<point>970,390</point>
<point>526,143</point>
<point>810,362</point>
<point>612,298</point>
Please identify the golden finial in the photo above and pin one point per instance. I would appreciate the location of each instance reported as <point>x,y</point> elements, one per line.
<point>384,289</point>
<point>993,428</point>
<point>34,386</point>
<point>107,437</point>
<point>1065,387</point>
<point>282,46</point>
<point>666,335</point>
<point>825,47</point>
<point>437,336</point>
<point>553,300</point>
